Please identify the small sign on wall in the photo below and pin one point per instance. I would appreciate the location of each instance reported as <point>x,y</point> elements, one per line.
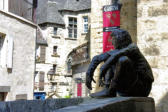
<point>111,20</point>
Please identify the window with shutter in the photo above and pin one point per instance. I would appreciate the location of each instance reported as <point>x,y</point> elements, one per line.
<point>1,46</point>
<point>42,53</point>
<point>10,53</point>
<point>41,81</point>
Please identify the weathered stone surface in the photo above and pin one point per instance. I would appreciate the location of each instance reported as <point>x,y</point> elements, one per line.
<point>152,41</point>
<point>38,105</point>
<point>157,11</point>
<point>117,104</point>
<point>21,78</point>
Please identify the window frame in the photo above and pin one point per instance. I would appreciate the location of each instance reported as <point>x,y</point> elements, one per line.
<point>55,49</point>
<point>54,68</point>
<point>85,23</point>
<point>72,27</point>
<point>55,30</point>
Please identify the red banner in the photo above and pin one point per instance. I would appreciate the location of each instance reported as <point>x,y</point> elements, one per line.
<point>79,89</point>
<point>107,42</point>
<point>111,20</point>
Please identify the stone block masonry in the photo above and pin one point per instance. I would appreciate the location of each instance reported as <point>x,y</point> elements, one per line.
<point>152,39</point>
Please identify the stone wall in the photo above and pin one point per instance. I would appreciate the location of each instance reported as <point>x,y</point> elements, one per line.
<point>152,37</point>
<point>20,75</point>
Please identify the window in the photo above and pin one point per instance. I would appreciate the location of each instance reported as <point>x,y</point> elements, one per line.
<point>85,24</point>
<point>54,68</point>
<point>69,63</point>
<point>41,81</point>
<point>1,46</point>
<point>2,96</point>
<point>55,30</point>
<point>42,53</point>
<point>55,50</point>
<point>72,30</point>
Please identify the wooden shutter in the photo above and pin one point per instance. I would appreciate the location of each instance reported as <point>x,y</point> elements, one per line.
<point>41,81</point>
<point>42,53</point>
<point>10,53</point>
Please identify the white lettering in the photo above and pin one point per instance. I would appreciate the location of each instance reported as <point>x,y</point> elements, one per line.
<point>110,8</point>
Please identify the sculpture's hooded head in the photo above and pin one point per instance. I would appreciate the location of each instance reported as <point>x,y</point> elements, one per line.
<point>120,38</point>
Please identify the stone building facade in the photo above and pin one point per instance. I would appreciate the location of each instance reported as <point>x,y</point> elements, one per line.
<point>78,61</point>
<point>64,26</point>
<point>146,20</point>
<point>17,57</point>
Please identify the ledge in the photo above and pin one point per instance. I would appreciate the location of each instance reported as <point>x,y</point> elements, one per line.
<point>84,33</point>
<point>56,36</point>
<point>55,55</point>
<point>5,88</point>
<point>70,38</point>
<point>117,104</point>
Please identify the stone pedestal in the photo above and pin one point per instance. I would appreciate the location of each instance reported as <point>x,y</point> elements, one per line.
<point>117,104</point>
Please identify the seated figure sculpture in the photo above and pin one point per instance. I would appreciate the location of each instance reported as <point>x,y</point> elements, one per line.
<point>125,71</point>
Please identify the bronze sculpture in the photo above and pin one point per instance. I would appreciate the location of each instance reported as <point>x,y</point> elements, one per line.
<point>125,70</point>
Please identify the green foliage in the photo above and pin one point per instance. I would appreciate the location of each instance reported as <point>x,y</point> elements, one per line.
<point>67,96</point>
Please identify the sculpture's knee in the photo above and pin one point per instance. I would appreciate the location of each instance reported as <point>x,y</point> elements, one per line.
<point>124,60</point>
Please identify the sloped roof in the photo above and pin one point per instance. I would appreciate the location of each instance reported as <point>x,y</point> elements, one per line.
<point>49,11</point>
<point>53,16</point>
<point>77,5</point>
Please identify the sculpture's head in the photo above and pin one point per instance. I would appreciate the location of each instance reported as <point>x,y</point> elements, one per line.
<point>120,38</point>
